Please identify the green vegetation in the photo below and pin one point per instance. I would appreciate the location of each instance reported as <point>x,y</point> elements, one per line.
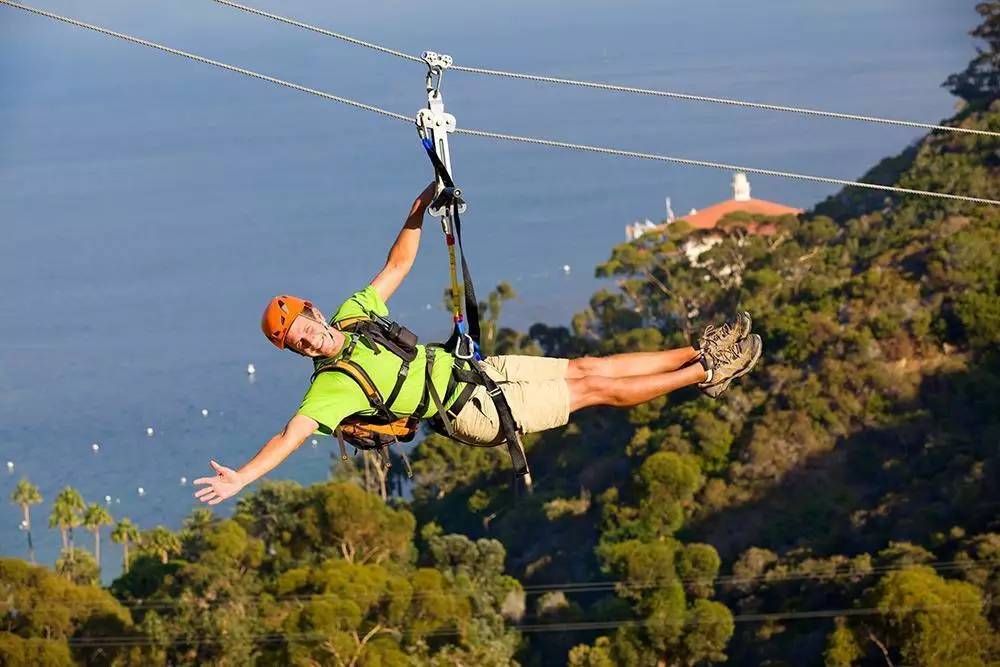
<point>838,507</point>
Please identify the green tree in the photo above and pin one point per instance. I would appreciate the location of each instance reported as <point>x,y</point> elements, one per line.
<point>66,514</point>
<point>981,79</point>
<point>25,495</point>
<point>923,619</point>
<point>17,651</point>
<point>160,542</point>
<point>124,533</point>
<point>78,565</point>
<point>38,633</point>
<point>95,516</point>
<point>842,648</point>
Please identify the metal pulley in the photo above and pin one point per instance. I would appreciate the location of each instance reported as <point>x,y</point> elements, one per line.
<point>434,124</point>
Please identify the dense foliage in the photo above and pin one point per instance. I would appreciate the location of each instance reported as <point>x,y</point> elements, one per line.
<point>838,506</point>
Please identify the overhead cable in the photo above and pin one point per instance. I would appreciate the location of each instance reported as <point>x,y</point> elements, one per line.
<point>720,165</point>
<point>208,61</point>
<point>570,587</point>
<point>581,626</point>
<point>497,135</point>
<point>540,78</point>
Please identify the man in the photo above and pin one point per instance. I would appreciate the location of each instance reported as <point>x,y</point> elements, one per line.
<point>541,392</point>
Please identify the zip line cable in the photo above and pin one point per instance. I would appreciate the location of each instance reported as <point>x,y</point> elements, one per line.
<point>539,78</point>
<point>718,165</point>
<point>208,61</point>
<point>497,135</point>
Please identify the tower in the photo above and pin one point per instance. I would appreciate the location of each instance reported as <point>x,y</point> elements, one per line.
<point>741,187</point>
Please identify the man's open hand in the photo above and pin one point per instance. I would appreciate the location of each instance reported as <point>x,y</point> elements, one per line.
<point>226,484</point>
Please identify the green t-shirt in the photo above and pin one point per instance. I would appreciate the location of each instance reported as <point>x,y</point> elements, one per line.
<point>333,396</point>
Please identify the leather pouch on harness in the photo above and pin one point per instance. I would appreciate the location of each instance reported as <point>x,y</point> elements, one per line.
<point>393,336</point>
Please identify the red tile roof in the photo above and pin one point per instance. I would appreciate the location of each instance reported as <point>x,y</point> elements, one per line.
<point>708,218</point>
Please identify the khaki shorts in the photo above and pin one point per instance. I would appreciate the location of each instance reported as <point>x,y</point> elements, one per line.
<point>535,388</point>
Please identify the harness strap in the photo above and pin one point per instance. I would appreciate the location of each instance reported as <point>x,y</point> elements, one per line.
<point>404,370</point>
<point>340,441</point>
<point>442,414</point>
<point>508,427</point>
<point>448,197</point>
<point>471,303</point>
<point>425,396</point>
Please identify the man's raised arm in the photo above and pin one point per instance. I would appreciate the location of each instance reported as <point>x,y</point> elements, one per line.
<point>404,250</point>
<point>228,482</point>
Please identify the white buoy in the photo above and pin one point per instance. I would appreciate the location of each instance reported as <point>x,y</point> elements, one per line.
<point>118,501</point>
<point>141,491</point>
<point>96,447</point>
<point>250,369</point>
<point>566,268</point>
<point>204,412</point>
<point>10,466</point>
<point>184,480</point>
<point>428,307</point>
<point>149,431</point>
<point>107,499</point>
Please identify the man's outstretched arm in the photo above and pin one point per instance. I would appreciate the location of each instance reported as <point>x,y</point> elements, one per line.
<point>404,250</point>
<point>228,482</point>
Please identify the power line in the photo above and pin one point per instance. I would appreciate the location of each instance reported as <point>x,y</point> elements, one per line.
<point>566,587</point>
<point>500,136</point>
<point>581,626</point>
<point>540,78</point>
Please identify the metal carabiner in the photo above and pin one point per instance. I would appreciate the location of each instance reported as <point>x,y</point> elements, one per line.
<point>469,344</point>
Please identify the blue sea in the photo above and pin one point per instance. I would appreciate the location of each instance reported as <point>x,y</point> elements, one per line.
<point>150,206</point>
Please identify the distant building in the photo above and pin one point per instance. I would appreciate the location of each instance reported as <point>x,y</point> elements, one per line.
<point>709,217</point>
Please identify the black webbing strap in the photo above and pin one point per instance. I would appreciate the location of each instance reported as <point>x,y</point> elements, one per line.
<point>442,414</point>
<point>404,371</point>
<point>508,427</point>
<point>471,303</point>
<point>425,396</point>
<point>447,198</point>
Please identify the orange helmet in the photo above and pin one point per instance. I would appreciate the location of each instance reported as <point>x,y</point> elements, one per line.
<point>279,315</point>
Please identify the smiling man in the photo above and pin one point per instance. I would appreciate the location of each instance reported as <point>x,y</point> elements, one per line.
<point>418,382</point>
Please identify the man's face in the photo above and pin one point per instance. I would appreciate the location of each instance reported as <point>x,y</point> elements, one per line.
<point>312,337</point>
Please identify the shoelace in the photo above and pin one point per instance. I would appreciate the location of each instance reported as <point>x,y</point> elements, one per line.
<point>728,355</point>
<point>714,334</point>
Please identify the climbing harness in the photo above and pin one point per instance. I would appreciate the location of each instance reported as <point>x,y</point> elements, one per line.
<point>384,428</point>
<point>433,127</point>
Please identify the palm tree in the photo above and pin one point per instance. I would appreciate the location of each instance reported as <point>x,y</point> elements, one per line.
<point>66,514</point>
<point>94,517</point>
<point>25,495</point>
<point>161,542</point>
<point>125,531</point>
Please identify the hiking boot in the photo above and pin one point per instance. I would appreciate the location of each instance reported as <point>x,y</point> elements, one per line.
<point>718,338</point>
<point>728,364</point>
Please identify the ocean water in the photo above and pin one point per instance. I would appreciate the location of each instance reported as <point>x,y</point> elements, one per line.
<point>149,205</point>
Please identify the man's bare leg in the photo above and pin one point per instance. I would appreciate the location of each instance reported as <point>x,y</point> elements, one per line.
<point>625,392</point>
<point>631,364</point>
